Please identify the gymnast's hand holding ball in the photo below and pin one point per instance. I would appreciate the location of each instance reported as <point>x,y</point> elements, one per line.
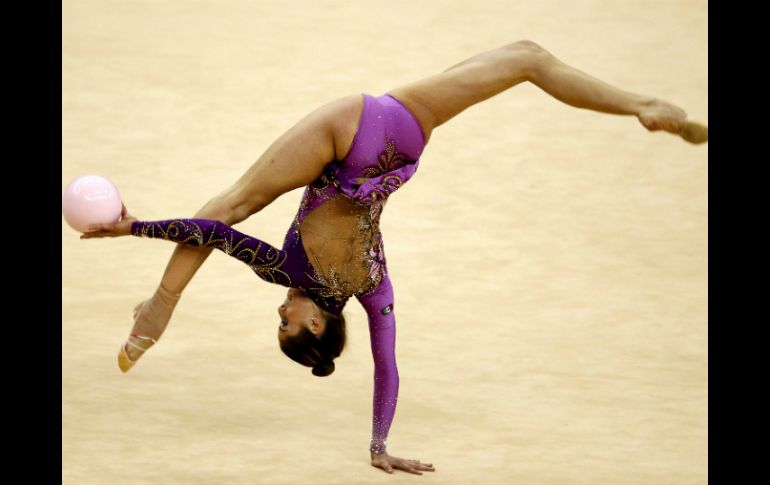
<point>115,229</point>
<point>91,204</point>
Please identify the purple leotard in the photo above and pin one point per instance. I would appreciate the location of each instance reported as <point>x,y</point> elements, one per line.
<point>333,249</point>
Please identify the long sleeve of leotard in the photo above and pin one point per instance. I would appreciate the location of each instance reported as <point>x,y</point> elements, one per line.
<point>265,260</point>
<point>382,333</point>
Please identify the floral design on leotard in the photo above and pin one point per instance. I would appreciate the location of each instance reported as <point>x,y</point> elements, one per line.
<point>331,286</point>
<point>387,161</point>
<point>377,263</point>
<point>387,186</point>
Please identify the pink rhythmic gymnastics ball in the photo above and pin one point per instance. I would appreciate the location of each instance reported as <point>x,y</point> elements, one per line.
<point>90,199</point>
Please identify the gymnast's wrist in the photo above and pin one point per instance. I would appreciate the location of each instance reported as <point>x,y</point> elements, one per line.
<point>377,447</point>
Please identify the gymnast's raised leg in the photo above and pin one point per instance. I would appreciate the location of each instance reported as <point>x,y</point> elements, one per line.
<point>436,99</point>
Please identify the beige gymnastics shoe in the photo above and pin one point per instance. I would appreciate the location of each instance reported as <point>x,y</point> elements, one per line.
<point>139,344</point>
<point>661,115</point>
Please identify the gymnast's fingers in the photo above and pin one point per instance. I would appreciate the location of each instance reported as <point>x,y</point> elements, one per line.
<point>101,227</point>
<point>407,468</point>
<point>97,233</point>
<point>422,466</point>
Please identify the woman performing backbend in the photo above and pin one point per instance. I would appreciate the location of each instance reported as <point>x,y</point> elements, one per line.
<point>351,154</point>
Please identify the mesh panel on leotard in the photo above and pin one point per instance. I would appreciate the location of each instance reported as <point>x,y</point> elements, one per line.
<point>343,244</point>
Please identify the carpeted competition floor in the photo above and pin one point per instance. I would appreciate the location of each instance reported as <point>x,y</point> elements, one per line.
<point>549,263</point>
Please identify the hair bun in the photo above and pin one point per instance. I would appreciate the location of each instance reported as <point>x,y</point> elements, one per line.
<point>322,370</point>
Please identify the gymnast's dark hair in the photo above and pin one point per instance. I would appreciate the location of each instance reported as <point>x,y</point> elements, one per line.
<point>318,353</point>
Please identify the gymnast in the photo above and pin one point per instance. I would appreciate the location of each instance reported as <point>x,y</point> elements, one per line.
<point>350,155</point>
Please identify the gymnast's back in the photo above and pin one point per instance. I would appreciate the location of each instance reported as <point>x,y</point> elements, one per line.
<point>337,224</point>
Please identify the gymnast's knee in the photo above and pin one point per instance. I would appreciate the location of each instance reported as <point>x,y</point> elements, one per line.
<point>527,53</point>
<point>525,46</point>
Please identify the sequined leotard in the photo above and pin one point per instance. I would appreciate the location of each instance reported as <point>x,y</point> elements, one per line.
<point>333,249</point>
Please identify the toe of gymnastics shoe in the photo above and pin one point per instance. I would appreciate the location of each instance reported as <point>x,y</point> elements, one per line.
<point>694,132</point>
<point>137,342</point>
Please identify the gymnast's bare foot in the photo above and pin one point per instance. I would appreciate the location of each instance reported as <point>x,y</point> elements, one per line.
<point>660,115</point>
<point>150,320</point>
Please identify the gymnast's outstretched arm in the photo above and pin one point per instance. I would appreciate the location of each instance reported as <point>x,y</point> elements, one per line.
<point>265,260</point>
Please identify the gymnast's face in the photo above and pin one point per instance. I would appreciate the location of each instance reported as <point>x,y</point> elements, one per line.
<point>299,311</point>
